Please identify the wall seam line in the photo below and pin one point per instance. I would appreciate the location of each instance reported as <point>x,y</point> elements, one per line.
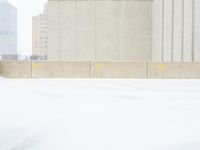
<point>31,68</point>
<point>183,34</point>
<point>172,36</point>
<point>163,18</point>
<point>193,26</point>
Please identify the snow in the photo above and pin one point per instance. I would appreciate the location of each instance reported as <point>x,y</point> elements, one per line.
<point>99,114</point>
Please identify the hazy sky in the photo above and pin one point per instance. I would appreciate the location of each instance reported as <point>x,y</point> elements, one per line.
<point>26,9</point>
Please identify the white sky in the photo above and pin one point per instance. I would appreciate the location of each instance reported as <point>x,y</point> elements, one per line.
<point>26,9</point>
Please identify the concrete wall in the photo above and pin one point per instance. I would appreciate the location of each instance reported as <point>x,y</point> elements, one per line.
<point>73,69</point>
<point>197,31</point>
<point>176,30</point>
<point>96,30</point>
<point>125,30</point>
<point>15,69</point>
<point>119,70</point>
<point>63,69</point>
<point>173,70</point>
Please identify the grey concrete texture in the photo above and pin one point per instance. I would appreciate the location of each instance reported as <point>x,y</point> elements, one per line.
<point>96,30</point>
<point>86,69</point>
<point>176,70</point>
<point>118,70</point>
<point>61,69</point>
<point>15,69</point>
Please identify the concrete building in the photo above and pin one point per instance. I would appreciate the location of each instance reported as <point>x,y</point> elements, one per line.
<point>113,30</point>
<point>8,28</point>
<point>157,30</point>
<point>39,35</point>
<point>176,30</point>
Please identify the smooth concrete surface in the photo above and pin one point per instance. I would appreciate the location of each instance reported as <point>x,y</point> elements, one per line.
<point>167,37</point>
<point>62,69</point>
<point>96,30</point>
<point>107,28</point>
<point>86,69</point>
<point>173,70</point>
<point>157,43</point>
<point>197,31</point>
<point>15,69</point>
<point>188,27</point>
<point>178,28</point>
<point>135,30</point>
<point>85,26</point>
<point>119,70</point>
<point>176,32</point>
<point>54,41</point>
<point>67,30</point>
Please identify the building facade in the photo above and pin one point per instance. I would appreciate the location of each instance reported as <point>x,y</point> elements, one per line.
<point>8,28</point>
<point>109,30</point>
<point>39,35</point>
<point>124,30</point>
<point>176,30</point>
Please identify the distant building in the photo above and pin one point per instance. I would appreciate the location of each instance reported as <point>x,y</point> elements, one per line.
<point>8,29</point>
<point>9,57</point>
<point>39,35</point>
<point>102,30</point>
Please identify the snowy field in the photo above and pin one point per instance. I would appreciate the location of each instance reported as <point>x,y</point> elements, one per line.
<point>92,114</point>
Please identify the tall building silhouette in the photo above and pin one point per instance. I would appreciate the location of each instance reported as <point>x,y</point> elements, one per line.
<point>39,34</point>
<point>8,28</point>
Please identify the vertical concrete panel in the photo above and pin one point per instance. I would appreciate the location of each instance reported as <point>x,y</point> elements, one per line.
<point>157,31</point>
<point>135,42</point>
<point>107,30</point>
<point>187,51</point>
<point>68,30</point>
<point>100,30</point>
<point>167,30</point>
<point>53,28</point>
<point>126,30</point>
<point>85,30</point>
<point>177,49</point>
<point>197,31</point>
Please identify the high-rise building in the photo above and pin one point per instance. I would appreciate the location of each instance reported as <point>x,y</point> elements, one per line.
<point>39,34</point>
<point>110,30</point>
<point>176,30</point>
<point>8,28</point>
<point>124,30</point>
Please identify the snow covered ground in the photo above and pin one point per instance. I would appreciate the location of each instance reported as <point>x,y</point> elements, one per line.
<point>92,114</point>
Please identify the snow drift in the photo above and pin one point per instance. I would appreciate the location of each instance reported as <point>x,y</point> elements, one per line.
<point>63,114</point>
